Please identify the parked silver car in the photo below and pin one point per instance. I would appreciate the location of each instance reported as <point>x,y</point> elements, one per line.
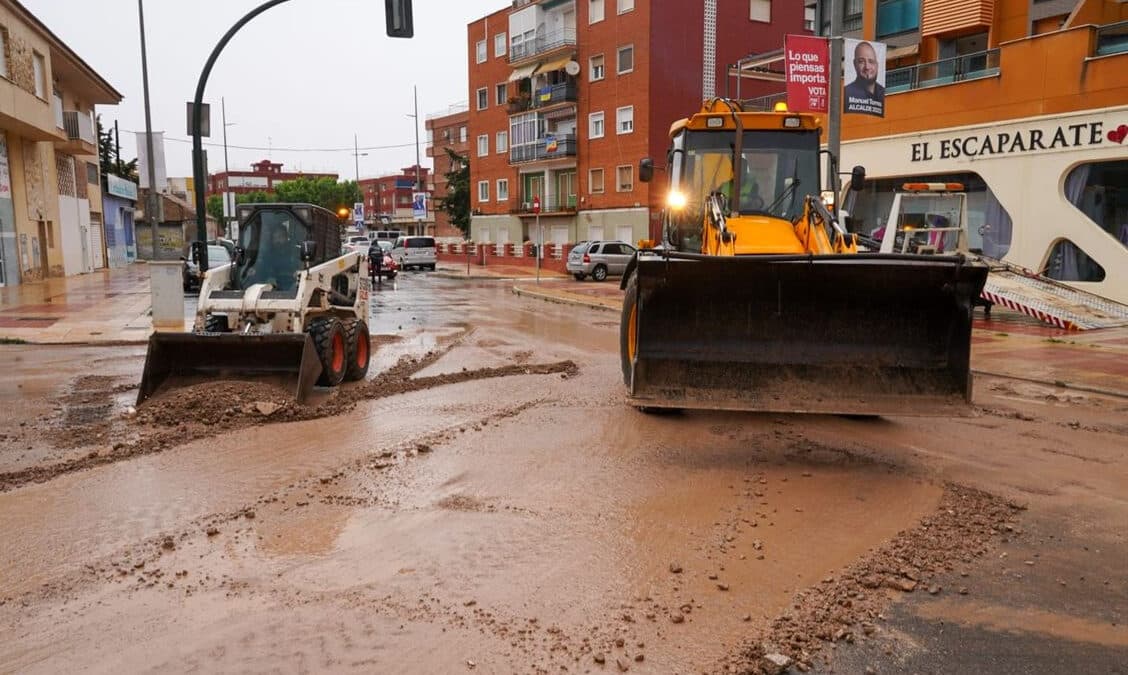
<point>599,259</point>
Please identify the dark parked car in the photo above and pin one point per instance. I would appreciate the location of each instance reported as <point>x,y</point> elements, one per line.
<point>218,255</point>
<point>599,259</point>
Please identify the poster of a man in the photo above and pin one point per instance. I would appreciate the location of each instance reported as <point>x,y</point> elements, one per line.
<point>865,94</point>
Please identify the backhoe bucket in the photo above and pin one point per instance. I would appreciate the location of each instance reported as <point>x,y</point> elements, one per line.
<point>868,334</point>
<point>177,360</point>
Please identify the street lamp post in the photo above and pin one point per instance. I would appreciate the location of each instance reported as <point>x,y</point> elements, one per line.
<point>415,120</point>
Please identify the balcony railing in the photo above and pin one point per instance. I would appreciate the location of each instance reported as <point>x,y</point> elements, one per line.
<point>549,147</point>
<point>1112,39</point>
<point>946,71</point>
<point>851,23</point>
<point>78,126</point>
<point>897,16</point>
<point>764,103</point>
<point>553,204</point>
<point>557,93</point>
<point>546,42</point>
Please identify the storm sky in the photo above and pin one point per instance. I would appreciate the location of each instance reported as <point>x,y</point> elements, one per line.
<point>300,79</point>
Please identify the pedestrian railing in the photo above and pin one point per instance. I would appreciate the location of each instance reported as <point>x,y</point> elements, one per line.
<point>1112,39</point>
<point>945,71</point>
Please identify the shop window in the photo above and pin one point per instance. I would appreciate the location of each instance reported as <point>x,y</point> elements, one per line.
<point>1100,191</point>
<point>989,227</point>
<point>1067,262</point>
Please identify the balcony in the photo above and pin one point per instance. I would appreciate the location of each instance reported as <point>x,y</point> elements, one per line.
<point>554,94</point>
<point>1112,39</point>
<point>897,16</point>
<point>946,71</point>
<point>80,134</point>
<point>553,146</point>
<point>549,205</point>
<point>542,44</point>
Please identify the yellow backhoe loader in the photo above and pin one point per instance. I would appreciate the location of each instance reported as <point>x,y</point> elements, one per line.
<point>758,299</point>
<point>289,308</point>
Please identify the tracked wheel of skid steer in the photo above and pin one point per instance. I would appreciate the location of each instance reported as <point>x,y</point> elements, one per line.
<point>359,347</point>
<point>628,343</point>
<point>332,350</point>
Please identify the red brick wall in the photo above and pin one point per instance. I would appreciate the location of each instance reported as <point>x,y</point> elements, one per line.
<point>493,118</point>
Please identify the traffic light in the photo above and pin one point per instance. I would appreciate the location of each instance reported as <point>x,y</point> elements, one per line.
<point>344,212</point>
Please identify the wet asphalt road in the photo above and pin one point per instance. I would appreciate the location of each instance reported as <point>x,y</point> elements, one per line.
<point>532,523</point>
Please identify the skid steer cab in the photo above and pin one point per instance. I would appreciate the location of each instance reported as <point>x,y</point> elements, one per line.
<point>288,308</point>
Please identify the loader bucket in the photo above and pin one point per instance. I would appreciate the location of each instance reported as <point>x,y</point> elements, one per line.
<point>181,359</point>
<point>867,334</point>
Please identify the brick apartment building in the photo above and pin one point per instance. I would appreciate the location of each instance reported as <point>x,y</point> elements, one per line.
<point>565,98</point>
<point>387,201</point>
<point>262,176</point>
<point>446,130</point>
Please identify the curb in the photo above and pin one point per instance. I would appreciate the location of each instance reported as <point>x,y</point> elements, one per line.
<point>1053,383</point>
<point>549,297</point>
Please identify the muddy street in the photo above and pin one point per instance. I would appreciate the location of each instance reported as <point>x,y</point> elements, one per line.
<point>486,502</point>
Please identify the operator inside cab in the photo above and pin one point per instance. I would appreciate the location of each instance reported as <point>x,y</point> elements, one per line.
<point>272,255</point>
<point>750,198</point>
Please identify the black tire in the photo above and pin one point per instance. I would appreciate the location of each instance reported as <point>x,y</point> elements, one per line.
<point>359,345</point>
<point>599,273</point>
<point>332,350</point>
<point>579,276</point>
<point>628,324</point>
<point>216,323</point>
<point>431,267</point>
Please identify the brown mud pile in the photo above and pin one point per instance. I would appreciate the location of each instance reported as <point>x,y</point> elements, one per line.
<point>177,417</point>
<point>847,608</point>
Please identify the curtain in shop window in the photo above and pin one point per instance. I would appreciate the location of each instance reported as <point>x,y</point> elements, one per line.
<point>1067,265</point>
<point>999,227</point>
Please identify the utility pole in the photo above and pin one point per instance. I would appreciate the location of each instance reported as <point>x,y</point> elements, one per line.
<point>151,208</point>
<point>415,118</point>
<point>228,208</point>
<point>834,108</point>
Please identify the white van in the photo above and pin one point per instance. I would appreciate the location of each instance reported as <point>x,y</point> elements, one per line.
<point>414,252</point>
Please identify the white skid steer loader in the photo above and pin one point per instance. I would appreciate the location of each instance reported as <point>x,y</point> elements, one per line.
<point>288,306</point>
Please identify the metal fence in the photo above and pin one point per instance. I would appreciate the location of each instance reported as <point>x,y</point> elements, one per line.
<point>764,103</point>
<point>945,71</point>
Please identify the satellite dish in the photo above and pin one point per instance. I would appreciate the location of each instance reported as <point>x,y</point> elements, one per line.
<point>572,68</point>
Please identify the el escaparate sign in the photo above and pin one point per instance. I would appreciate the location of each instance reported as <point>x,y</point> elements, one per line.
<point>1013,142</point>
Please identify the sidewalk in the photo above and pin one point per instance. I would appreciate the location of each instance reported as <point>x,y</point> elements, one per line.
<point>451,270</point>
<point>108,306</point>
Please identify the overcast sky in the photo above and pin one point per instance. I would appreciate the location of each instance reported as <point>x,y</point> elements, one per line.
<point>306,74</point>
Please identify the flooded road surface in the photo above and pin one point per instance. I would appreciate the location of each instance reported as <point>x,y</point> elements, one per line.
<point>526,520</point>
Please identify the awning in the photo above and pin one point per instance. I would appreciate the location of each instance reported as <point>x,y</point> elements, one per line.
<point>522,72</point>
<point>553,65</point>
<point>898,52</point>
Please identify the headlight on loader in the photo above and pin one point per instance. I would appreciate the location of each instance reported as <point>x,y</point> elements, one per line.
<point>676,200</point>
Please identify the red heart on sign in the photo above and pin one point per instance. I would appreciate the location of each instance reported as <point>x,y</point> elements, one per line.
<point>1119,134</point>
